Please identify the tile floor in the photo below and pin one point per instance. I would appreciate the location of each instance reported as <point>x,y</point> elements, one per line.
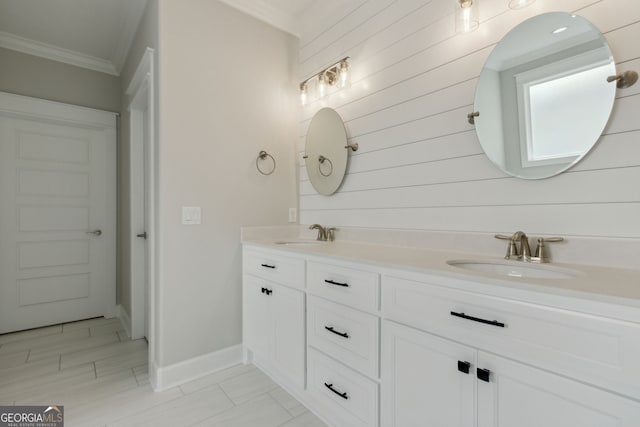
<point>100,376</point>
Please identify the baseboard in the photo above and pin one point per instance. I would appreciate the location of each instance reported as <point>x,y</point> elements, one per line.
<point>165,377</point>
<point>124,319</point>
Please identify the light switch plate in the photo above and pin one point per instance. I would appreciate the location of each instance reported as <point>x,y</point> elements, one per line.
<point>293,214</point>
<point>191,215</point>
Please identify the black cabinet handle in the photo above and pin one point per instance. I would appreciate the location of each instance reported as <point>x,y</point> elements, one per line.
<point>342,334</point>
<point>263,290</point>
<point>479,320</point>
<point>267,266</point>
<point>483,374</point>
<point>464,366</point>
<point>331,282</point>
<point>268,291</point>
<point>342,395</point>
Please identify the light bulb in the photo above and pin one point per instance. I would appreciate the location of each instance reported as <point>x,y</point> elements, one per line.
<point>303,94</point>
<point>519,4</point>
<point>466,15</point>
<point>344,79</point>
<point>322,86</point>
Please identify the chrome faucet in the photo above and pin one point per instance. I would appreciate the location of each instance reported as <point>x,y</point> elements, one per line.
<point>519,247</point>
<point>324,234</point>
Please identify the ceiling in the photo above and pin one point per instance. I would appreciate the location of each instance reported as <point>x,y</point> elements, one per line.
<point>94,34</point>
<point>97,34</point>
<point>288,15</point>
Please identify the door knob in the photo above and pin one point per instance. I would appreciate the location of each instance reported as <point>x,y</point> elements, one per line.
<point>142,235</point>
<point>95,232</point>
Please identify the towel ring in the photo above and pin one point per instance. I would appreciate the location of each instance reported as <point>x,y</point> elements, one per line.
<point>321,161</point>
<point>262,156</point>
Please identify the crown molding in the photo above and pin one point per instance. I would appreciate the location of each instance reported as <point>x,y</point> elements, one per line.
<point>54,53</point>
<point>135,10</point>
<point>263,11</point>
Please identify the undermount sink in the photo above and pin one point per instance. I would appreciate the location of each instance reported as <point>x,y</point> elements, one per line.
<point>300,243</point>
<point>514,269</point>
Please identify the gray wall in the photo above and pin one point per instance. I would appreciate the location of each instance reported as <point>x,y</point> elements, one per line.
<point>42,78</point>
<point>227,90</point>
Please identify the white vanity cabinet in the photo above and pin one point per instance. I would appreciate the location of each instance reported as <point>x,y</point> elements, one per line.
<point>369,345</point>
<point>343,330</point>
<point>431,381</point>
<point>440,364</point>
<point>427,380</point>
<point>520,395</point>
<point>274,314</point>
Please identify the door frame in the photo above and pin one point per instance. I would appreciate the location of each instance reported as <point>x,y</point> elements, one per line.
<point>141,93</point>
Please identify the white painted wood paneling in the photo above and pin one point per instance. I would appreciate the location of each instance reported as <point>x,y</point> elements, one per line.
<point>420,165</point>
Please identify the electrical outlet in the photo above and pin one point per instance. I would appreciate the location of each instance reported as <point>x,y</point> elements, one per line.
<point>293,214</point>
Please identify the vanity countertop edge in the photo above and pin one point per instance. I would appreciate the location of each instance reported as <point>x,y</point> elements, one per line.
<point>595,285</point>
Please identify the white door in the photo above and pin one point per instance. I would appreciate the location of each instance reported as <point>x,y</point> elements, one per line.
<point>519,395</point>
<point>57,214</point>
<point>146,160</point>
<point>426,380</point>
<point>140,204</point>
<point>288,344</point>
<point>257,325</point>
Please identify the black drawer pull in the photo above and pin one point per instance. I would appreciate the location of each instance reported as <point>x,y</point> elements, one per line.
<point>479,320</point>
<point>463,366</point>
<point>483,374</point>
<point>342,395</point>
<point>267,266</point>
<point>342,334</point>
<point>331,282</point>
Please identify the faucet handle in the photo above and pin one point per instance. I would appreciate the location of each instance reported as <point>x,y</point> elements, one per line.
<point>512,249</point>
<point>331,233</point>
<point>541,253</point>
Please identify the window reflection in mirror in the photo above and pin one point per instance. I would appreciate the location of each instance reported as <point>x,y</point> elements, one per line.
<point>543,96</point>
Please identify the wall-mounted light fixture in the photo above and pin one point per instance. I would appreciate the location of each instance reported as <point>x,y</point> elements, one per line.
<point>519,4</point>
<point>336,74</point>
<point>466,16</point>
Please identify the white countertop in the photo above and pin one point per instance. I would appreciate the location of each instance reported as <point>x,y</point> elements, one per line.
<point>596,283</point>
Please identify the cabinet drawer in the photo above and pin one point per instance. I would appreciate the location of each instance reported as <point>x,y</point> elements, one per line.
<point>348,398</point>
<point>590,348</point>
<point>275,267</point>
<point>345,334</point>
<point>356,288</point>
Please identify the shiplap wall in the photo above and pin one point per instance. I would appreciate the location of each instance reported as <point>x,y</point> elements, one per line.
<point>420,165</point>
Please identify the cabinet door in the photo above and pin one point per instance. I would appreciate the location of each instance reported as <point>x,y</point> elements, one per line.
<point>519,395</point>
<point>288,340</point>
<point>421,381</point>
<point>257,324</point>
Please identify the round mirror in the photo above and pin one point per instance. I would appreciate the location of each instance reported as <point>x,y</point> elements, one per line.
<point>325,151</point>
<point>543,98</point>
